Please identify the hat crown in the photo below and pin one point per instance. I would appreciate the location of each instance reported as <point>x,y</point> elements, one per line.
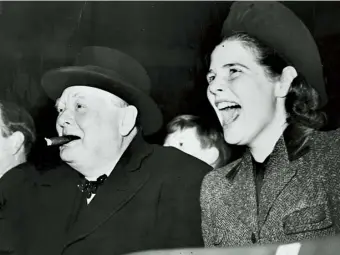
<point>117,62</point>
<point>280,28</point>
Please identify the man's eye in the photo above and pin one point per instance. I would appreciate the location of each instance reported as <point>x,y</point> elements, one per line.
<point>60,110</point>
<point>210,78</point>
<point>79,106</point>
<point>181,144</point>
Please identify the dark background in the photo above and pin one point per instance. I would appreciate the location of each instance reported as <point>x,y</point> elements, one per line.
<point>168,38</point>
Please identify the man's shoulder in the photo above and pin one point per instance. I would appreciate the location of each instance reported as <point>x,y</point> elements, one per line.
<point>178,161</point>
<point>19,174</point>
<point>57,174</point>
<point>17,183</point>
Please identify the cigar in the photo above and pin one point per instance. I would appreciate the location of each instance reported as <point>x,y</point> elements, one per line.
<point>60,140</point>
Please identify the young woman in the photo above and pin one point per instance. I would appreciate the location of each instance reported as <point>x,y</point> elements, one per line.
<point>266,85</point>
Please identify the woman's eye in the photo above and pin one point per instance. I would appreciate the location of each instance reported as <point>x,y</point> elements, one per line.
<point>234,73</point>
<point>60,110</point>
<point>181,144</point>
<point>233,70</point>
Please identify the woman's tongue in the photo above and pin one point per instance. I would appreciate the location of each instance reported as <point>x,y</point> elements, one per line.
<point>229,115</point>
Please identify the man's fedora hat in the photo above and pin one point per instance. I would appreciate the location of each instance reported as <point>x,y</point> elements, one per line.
<point>278,27</point>
<point>113,71</point>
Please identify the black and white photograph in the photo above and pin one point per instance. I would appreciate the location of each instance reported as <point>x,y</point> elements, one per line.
<point>169,127</point>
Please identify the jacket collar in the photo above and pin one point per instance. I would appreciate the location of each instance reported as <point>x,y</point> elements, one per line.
<point>281,166</point>
<point>291,146</point>
<point>134,154</point>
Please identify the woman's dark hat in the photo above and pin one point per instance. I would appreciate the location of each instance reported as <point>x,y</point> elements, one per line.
<point>113,71</point>
<point>278,27</point>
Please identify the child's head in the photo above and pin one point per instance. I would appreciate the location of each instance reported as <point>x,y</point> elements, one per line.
<point>198,138</point>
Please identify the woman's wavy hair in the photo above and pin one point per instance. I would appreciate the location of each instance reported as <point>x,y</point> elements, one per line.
<point>302,100</point>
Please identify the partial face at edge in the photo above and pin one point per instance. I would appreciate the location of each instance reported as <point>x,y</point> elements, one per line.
<point>11,148</point>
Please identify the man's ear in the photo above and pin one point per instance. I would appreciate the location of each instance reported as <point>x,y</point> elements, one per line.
<point>17,141</point>
<point>283,85</point>
<point>128,119</point>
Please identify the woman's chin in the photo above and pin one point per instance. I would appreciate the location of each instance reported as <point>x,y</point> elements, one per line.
<point>232,135</point>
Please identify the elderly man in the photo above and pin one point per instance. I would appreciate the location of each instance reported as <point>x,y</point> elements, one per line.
<point>116,193</point>
<point>17,134</point>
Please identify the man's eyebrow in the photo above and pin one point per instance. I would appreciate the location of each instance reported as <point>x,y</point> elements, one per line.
<point>57,102</point>
<point>78,95</point>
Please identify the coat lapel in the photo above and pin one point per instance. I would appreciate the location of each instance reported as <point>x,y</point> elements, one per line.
<point>279,172</point>
<point>242,193</point>
<point>123,184</point>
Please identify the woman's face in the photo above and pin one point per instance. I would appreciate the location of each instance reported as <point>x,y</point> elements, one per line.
<point>241,93</point>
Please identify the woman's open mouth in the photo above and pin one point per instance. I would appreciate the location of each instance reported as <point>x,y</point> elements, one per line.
<point>229,111</point>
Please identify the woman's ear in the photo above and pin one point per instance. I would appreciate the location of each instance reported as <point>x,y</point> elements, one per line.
<point>284,83</point>
<point>128,120</point>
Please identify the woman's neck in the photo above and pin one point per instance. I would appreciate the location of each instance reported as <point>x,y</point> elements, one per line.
<point>265,142</point>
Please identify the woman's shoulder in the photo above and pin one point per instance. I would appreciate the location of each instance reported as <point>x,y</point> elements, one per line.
<point>215,180</point>
<point>325,153</point>
<point>326,141</point>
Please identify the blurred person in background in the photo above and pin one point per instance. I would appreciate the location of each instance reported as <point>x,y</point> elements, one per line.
<point>17,135</point>
<point>194,136</point>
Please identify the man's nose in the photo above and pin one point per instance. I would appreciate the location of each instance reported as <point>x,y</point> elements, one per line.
<point>65,118</point>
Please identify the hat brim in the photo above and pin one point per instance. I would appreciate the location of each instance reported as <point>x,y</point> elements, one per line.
<point>54,82</point>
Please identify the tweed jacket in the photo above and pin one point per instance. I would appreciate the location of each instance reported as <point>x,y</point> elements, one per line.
<point>299,199</point>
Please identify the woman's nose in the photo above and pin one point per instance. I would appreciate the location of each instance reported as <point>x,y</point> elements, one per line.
<point>216,86</point>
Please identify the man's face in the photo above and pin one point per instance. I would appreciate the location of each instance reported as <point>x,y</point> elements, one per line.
<point>93,115</point>
<point>187,141</point>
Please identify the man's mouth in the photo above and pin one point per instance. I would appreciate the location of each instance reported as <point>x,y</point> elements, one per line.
<point>230,111</point>
<point>61,140</point>
<point>69,139</point>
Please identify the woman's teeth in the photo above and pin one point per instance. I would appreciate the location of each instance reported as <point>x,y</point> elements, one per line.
<point>226,105</point>
<point>229,111</point>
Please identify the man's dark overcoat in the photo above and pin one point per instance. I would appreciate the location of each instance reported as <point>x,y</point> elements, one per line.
<point>149,201</point>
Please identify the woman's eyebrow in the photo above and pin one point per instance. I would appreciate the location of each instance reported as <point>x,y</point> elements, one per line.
<point>230,65</point>
<point>235,64</point>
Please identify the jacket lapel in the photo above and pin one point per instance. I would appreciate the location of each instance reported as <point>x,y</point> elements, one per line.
<point>122,185</point>
<point>279,172</point>
<point>242,194</point>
